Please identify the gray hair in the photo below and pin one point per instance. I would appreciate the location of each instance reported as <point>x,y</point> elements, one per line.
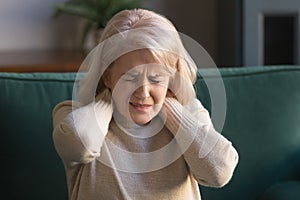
<point>137,29</point>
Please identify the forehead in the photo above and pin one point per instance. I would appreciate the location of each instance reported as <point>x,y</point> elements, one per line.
<point>142,57</point>
<point>133,59</point>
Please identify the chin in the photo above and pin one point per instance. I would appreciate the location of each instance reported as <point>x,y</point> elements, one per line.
<point>141,120</point>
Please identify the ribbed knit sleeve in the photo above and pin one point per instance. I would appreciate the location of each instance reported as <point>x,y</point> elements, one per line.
<point>79,130</point>
<point>209,155</point>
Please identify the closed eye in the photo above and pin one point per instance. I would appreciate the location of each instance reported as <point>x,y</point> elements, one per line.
<point>154,80</point>
<point>157,78</point>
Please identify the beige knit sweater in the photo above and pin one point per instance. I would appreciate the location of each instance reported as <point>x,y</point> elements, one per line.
<point>108,160</point>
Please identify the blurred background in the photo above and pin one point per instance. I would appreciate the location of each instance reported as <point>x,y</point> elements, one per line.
<point>29,25</point>
<point>230,31</point>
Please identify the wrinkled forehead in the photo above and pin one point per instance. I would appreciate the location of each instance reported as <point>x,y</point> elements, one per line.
<point>140,56</point>
<point>142,61</point>
<point>150,69</point>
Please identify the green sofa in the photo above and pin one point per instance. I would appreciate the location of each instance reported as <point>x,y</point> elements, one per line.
<point>262,121</point>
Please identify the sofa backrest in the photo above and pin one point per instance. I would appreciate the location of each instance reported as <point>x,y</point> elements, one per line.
<point>30,166</point>
<point>262,121</point>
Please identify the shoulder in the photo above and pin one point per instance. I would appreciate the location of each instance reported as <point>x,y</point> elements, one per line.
<point>68,104</point>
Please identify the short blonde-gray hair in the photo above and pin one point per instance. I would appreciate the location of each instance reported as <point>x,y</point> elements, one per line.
<point>130,30</point>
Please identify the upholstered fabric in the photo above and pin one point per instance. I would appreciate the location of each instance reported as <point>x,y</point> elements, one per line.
<point>30,166</point>
<point>286,190</point>
<point>262,120</point>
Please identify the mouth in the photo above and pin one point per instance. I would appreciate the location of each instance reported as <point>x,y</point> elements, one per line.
<point>141,107</point>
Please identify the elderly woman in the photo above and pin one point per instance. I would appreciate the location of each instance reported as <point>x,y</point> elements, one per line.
<point>136,129</point>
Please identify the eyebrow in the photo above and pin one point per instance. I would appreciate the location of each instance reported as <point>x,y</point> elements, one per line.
<point>131,73</point>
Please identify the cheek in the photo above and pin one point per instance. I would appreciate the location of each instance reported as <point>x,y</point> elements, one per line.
<point>121,94</point>
<point>159,94</point>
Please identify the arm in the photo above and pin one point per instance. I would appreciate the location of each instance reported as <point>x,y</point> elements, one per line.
<point>210,156</point>
<point>79,130</point>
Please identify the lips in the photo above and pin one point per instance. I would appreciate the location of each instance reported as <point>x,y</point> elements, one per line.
<point>141,107</point>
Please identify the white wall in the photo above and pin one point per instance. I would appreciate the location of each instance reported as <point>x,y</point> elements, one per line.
<point>28,24</point>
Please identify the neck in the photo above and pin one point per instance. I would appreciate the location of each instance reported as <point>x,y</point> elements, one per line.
<point>136,130</point>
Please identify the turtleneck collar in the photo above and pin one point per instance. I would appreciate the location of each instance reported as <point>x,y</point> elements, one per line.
<point>136,130</point>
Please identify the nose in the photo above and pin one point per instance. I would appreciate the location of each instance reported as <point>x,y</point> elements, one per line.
<point>143,91</point>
